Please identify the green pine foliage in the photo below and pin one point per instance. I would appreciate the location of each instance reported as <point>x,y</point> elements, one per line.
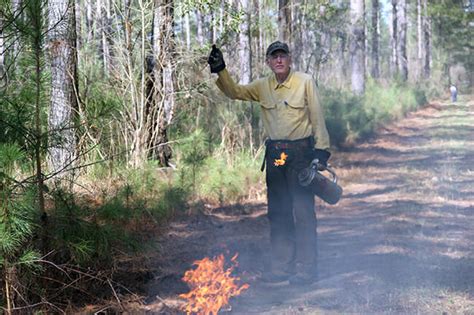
<point>18,259</point>
<point>16,223</point>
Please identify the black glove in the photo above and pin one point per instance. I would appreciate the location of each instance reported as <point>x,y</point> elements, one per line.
<point>216,60</point>
<point>322,156</point>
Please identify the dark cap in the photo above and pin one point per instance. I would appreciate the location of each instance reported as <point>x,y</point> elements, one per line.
<point>277,46</point>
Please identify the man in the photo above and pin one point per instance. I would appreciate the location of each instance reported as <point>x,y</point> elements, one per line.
<point>454,93</point>
<point>294,122</point>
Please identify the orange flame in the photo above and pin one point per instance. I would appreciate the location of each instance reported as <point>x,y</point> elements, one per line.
<point>211,286</point>
<point>281,160</point>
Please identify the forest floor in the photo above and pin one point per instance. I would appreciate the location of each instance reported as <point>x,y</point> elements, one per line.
<point>400,241</point>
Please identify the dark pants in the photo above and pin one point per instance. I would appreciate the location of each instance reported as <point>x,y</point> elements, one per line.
<point>290,208</point>
<point>454,96</point>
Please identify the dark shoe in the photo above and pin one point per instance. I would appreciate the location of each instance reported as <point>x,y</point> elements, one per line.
<point>302,279</point>
<point>273,277</point>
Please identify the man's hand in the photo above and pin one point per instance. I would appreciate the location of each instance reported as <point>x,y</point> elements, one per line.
<point>216,60</point>
<point>322,156</point>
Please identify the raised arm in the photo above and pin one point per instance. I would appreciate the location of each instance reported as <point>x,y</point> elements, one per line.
<point>225,82</point>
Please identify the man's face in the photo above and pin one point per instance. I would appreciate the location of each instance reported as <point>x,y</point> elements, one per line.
<point>279,62</point>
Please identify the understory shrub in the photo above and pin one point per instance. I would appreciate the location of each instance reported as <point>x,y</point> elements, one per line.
<point>213,173</point>
<point>350,117</point>
<point>19,260</point>
<point>228,179</point>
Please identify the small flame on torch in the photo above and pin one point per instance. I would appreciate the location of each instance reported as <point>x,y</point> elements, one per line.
<point>211,286</point>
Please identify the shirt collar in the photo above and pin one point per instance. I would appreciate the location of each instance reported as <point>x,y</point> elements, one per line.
<point>286,83</point>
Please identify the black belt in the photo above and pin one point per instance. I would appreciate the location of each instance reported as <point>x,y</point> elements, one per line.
<point>290,144</point>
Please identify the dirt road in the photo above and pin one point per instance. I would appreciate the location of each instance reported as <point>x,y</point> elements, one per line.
<point>399,242</point>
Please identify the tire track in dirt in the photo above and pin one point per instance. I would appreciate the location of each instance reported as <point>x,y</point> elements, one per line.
<point>399,242</point>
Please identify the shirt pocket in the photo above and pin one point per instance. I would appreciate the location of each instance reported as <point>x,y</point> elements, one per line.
<point>295,104</point>
<point>295,112</point>
<point>268,104</point>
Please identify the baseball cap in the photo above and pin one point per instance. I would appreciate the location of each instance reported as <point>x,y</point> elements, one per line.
<point>277,46</point>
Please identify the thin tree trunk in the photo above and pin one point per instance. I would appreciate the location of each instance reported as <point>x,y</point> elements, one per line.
<point>108,31</point>
<point>79,40</point>
<point>104,21</point>
<point>221,18</point>
<point>284,20</point>
<point>341,57</point>
<point>214,26</point>
<point>208,20</point>
<point>37,49</point>
<point>357,46</point>
<point>260,42</point>
<point>62,50</point>
<point>245,45</point>
<point>3,78</point>
<point>419,39</point>
<point>426,40</point>
<point>309,51</point>
<point>199,31</point>
<point>299,26</point>
<point>245,58</point>
<point>89,21</point>
<point>394,39</point>
<point>134,142</point>
<point>375,66</point>
<point>187,30</point>
<point>16,7</point>
<point>161,98</point>
<point>402,39</point>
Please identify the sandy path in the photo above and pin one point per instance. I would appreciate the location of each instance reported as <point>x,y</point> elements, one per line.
<point>399,242</point>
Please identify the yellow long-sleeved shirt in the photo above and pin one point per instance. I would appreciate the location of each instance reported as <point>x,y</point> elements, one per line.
<point>290,110</point>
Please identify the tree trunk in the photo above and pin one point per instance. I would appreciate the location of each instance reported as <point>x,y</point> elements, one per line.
<point>16,7</point>
<point>357,46</point>
<point>394,39</point>
<point>214,26</point>
<point>299,26</point>
<point>259,43</point>
<point>89,21</point>
<point>341,57</point>
<point>402,39</point>
<point>221,17</point>
<point>104,20</point>
<point>426,40</point>
<point>199,31</point>
<point>79,40</point>
<point>62,51</point>
<point>375,66</point>
<point>187,30</point>
<point>160,105</point>
<point>245,44</point>
<point>419,39</point>
<point>3,78</point>
<point>36,19</point>
<point>284,21</point>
